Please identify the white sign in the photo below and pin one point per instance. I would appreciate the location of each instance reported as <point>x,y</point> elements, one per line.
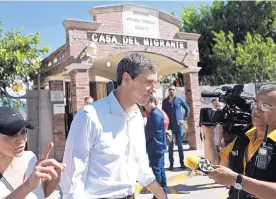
<point>141,22</point>
<point>122,39</point>
<point>59,109</point>
<point>57,96</point>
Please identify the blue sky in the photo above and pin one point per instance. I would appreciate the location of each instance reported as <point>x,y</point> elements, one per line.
<point>47,17</point>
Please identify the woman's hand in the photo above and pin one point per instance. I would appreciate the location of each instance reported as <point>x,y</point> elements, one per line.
<point>45,169</point>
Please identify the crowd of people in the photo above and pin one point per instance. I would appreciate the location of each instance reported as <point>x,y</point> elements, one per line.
<point>111,147</point>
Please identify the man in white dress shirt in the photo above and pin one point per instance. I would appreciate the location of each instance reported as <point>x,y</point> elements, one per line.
<point>105,151</point>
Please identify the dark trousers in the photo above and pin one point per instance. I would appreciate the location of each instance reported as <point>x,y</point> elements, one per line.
<point>157,163</point>
<point>179,141</point>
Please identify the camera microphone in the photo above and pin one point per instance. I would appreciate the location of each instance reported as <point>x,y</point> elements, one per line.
<point>200,165</point>
<point>210,94</point>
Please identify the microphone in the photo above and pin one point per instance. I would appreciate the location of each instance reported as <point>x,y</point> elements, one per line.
<point>201,165</point>
<point>210,94</point>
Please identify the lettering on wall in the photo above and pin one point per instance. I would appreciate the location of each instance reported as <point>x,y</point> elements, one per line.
<point>140,21</point>
<point>122,39</point>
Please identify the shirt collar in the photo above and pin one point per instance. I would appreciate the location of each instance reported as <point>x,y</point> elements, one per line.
<point>251,134</point>
<point>117,110</point>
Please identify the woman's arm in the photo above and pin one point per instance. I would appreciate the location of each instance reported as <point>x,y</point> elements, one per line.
<point>50,186</point>
<point>21,192</point>
<point>32,183</point>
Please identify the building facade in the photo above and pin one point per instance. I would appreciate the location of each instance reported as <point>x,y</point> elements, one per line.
<point>86,64</point>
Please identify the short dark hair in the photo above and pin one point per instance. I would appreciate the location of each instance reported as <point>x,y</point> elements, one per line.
<point>213,100</point>
<point>135,64</point>
<point>152,100</point>
<point>88,98</point>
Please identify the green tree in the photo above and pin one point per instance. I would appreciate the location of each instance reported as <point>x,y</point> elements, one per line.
<point>204,20</point>
<point>20,55</point>
<point>249,61</point>
<point>238,17</point>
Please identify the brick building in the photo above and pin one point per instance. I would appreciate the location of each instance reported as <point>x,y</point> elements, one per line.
<point>86,64</point>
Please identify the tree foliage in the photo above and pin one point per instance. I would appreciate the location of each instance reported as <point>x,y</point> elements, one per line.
<point>226,28</point>
<point>20,55</point>
<point>253,60</point>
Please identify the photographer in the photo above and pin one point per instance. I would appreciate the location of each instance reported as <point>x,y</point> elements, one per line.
<point>246,174</point>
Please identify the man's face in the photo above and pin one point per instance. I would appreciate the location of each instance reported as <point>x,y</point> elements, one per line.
<point>141,87</point>
<point>13,146</point>
<point>263,109</point>
<point>172,91</point>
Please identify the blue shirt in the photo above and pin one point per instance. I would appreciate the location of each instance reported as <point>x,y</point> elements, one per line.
<point>156,142</point>
<point>173,110</point>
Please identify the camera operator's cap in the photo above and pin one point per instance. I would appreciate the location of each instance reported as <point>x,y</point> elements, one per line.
<point>11,121</point>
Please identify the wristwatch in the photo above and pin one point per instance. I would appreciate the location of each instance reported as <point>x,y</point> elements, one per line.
<point>238,184</point>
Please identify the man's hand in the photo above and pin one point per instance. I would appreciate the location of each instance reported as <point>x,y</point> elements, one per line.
<point>45,169</point>
<point>182,122</point>
<point>223,175</point>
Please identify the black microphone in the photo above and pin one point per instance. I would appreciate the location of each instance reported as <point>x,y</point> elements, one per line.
<point>210,94</point>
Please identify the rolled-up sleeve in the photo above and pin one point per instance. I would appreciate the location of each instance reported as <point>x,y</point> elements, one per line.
<point>76,156</point>
<point>145,174</point>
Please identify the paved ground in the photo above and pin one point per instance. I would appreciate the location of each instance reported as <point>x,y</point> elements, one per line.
<point>182,185</point>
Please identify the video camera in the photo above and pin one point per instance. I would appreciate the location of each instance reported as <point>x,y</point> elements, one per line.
<point>235,117</point>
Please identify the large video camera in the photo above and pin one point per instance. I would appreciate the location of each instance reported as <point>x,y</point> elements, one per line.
<point>235,117</point>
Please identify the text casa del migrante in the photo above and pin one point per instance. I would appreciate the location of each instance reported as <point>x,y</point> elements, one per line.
<point>122,39</point>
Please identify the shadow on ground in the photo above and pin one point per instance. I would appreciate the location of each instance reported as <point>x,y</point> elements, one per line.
<point>185,189</point>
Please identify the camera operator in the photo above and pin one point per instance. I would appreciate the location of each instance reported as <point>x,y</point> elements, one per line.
<point>246,174</point>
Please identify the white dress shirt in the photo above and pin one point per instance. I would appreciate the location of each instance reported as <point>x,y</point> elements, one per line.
<point>105,152</point>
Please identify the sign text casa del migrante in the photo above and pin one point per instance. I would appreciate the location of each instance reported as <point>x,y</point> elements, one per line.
<point>122,39</point>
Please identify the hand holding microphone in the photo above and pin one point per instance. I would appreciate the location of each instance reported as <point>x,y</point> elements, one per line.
<point>220,174</point>
<point>201,165</point>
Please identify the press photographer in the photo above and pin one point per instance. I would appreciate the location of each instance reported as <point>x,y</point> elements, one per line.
<point>250,158</point>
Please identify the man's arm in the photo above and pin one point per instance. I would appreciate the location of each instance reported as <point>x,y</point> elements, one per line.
<point>149,129</point>
<point>210,151</point>
<point>153,126</point>
<point>187,109</point>
<point>260,189</point>
<point>76,155</point>
<point>220,136</point>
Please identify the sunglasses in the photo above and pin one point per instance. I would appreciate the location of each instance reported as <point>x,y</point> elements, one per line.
<point>171,89</point>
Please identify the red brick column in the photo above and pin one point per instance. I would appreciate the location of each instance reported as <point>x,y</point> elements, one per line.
<point>58,124</point>
<point>192,94</point>
<point>79,88</point>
